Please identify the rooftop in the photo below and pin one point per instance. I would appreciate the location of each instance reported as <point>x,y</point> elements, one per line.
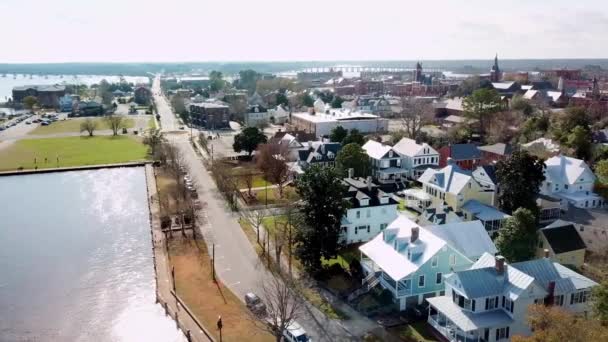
<point>468,321</point>
<point>470,238</point>
<point>41,87</point>
<point>335,115</point>
<point>484,212</point>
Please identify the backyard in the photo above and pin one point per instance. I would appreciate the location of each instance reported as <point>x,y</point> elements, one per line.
<point>73,126</point>
<point>71,151</point>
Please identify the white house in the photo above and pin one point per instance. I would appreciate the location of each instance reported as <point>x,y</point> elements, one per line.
<point>278,115</point>
<point>370,213</point>
<point>489,301</point>
<point>385,162</point>
<point>411,261</point>
<point>416,158</point>
<point>571,180</point>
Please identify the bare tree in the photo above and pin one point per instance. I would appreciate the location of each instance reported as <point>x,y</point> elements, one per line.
<point>154,139</point>
<point>89,125</point>
<point>414,115</point>
<point>294,221</point>
<point>116,122</point>
<point>226,183</point>
<point>248,179</point>
<point>272,160</point>
<point>255,218</point>
<point>284,305</point>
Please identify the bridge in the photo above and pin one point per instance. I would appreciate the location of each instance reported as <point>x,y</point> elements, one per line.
<point>366,69</point>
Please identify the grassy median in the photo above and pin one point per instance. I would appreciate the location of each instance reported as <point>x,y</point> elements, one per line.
<point>71,151</point>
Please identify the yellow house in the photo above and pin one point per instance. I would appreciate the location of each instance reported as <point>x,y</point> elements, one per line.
<point>453,187</point>
<point>562,242</point>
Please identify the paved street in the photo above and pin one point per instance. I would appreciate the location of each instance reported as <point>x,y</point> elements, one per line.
<point>237,263</point>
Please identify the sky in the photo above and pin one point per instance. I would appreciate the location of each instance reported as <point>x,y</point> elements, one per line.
<point>45,31</point>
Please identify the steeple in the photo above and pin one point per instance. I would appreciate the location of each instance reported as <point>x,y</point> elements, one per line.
<point>418,73</point>
<point>560,85</point>
<point>595,92</point>
<point>495,74</point>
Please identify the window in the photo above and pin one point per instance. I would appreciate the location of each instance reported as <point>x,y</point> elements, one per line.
<point>452,259</point>
<point>502,333</point>
<point>358,214</point>
<point>438,278</point>
<point>421,281</point>
<point>491,303</point>
<point>507,304</point>
<point>383,226</point>
<point>558,300</point>
<point>566,186</point>
<point>579,297</point>
<point>435,261</point>
<point>368,213</point>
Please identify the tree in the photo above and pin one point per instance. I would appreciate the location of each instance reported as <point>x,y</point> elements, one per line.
<point>580,141</point>
<point>323,207</point>
<point>248,140</point>
<point>517,238</point>
<point>519,179</point>
<point>271,160</point>
<point>337,102</point>
<point>216,81</point>
<point>354,137</point>
<point>154,139</point>
<point>601,170</point>
<point>414,115</point>
<point>469,85</point>
<point>89,125</point>
<point>338,134</point>
<point>105,93</point>
<point>519,103</point>
<point>282,99</point>
<point>552,324</point>
<point>307,100</point>
<point>29,102</point>
<point>116,122</point>
<point>248,79</point>
<point>284,305</point>
<point>352,156</point>
<point>563,123</point>
<point>480,104</point>
<point>600,302</point>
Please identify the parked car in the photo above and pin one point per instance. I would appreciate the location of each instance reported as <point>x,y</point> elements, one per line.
<point>295,333</point>
<point>28,122</point>
<point>255,304</point>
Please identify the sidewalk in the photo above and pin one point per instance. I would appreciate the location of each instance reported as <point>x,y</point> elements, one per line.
<point>164,286</point>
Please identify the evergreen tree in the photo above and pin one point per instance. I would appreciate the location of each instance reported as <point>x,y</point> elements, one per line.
<point>248,140</point>
<point>517,238</point>
<point>519,179</point>
<point>338,134</point>
<point>352,156</point>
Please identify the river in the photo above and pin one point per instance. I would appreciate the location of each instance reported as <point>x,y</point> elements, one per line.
<point>9,81</point>
<point>76,260</point>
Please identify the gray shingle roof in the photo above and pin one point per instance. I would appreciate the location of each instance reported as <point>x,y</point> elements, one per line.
<point>464,152</point>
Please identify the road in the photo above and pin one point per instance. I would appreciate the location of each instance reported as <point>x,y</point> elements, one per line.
<point>237,263</point>
<point>168,121</point>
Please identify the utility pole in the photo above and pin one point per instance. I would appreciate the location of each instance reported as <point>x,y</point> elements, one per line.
<point>213,262</point>
<point>219,326</point>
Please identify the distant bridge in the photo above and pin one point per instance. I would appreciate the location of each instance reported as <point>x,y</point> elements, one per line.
<point>379,69</point>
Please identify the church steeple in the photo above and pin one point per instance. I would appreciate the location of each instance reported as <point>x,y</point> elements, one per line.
<point>595,92</point>
<point>418,73</point>
<point>495,74</point>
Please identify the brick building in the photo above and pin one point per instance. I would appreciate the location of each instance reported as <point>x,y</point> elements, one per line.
<point>210,115</point>
<point>47,95</point>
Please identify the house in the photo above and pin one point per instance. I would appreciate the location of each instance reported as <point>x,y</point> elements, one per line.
<point>572,181</point>
<point>47,95</point>
<point>468,237</point>
<point>322,123</point>
<point>210,115</point>
<point>416,158</point>
<point>256,116</point>
<point>489,301</point>
<point>453,187</point>
<point>370,212</point>
<point>441,214</point>
<point>66,103</point>
<point>492,154</point>
<point>142,95</point>
<point>322,153</point>
<point>90,108</point>
<point>491,218</point>
<point>486,177</point>
<point>278,115</point>
<point>562,242</point>
<point>467,156</point>
<point>507,89</point>
<point>385,162</point>
<point>411,261</point>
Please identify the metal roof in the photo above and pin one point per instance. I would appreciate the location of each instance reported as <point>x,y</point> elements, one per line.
<point>484,212</point>
<point>469,238</point>
<point>468,321</point>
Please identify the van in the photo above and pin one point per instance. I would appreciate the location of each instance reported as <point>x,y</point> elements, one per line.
<point>295,333</point>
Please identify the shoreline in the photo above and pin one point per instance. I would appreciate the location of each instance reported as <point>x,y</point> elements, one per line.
<point>74,168</point>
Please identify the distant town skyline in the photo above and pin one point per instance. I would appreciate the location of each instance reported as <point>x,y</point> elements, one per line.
<point>37,31</point>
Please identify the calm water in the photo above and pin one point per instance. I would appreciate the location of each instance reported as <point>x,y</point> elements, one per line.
<point>76,259</point>
<point>7,83</point>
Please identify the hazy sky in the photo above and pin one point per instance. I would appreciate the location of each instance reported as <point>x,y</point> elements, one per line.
<point>203,30</point>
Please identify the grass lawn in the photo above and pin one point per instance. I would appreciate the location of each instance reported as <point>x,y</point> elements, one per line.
<point>151,123</point>
<point>73,126</point>
<point>72,151</point>
<point>344,258</point>
<point>272,196</point>
<point>207,299</point>
<point>258,182</point>
<point>320,303</point>
<point>415,332</point>
<point>270,222</point>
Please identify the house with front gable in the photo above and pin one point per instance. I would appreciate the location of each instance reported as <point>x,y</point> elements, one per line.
<point>416,158</point>
<point>489,301</point>
<point>385,163</point>
<point>410,262</point>
<point>571,180</point>
<point>370,212</point>
<point>453,187</point>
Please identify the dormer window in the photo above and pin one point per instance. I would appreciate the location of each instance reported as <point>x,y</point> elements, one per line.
<point>318,157</point>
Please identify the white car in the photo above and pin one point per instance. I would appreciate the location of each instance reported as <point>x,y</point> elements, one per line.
<point>295,333</point>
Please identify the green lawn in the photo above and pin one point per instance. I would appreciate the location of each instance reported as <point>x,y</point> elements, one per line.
<point>415,332</point>
<point>73,126</point>
<point>344,258</point>
<point>270,221</point>
<point>72,151</point>
<point>152,123</point>
<point>272,196</point>
<point>258,182</point>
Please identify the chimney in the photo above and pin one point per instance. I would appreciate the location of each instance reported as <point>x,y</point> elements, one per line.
<point>369,183</point>
<point>500,265</point>
<point>550,293</point>
<point>351,173</point>
<point>415,234</point>
<point>450,161</point>
<point>546,253</point>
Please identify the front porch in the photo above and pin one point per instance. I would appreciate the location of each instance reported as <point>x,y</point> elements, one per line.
<point>391,175</point>
<point>401,288</point>
<point>459,325</point>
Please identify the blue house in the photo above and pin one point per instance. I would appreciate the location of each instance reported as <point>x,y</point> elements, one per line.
<point>411,261</point>
<point>66,103</point>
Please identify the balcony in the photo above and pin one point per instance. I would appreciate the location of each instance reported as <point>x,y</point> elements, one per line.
<point>451,332</point>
